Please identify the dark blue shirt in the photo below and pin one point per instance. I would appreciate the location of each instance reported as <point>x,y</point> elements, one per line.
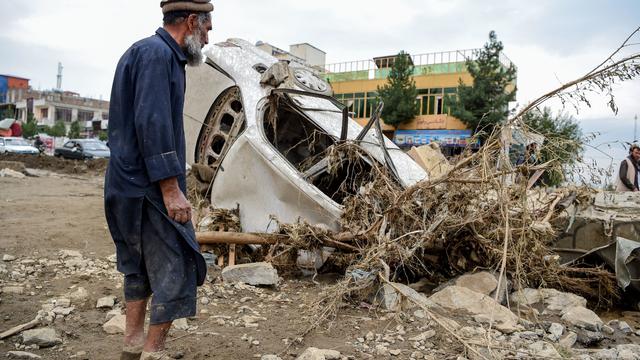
<point>146,136</point>
<point>147,145</point>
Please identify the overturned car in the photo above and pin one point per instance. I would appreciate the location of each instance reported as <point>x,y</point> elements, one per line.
<point>267,129</point>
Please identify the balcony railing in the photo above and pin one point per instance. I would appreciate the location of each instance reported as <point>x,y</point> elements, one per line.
<point>444,62</point>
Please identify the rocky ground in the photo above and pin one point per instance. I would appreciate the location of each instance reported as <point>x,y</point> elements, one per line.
<point>58,268</point>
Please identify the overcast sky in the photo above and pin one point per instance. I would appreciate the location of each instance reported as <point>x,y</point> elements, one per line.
<point>551,41</point>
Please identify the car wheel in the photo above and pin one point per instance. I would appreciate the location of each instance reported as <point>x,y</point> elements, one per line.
<point>225,121</point>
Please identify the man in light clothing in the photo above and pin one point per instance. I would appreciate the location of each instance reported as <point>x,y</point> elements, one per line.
<point>628,174</point>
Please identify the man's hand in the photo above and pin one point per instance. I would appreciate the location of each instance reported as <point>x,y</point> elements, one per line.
<point>176,203</point>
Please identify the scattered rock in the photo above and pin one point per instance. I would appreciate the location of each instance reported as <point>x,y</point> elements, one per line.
<point>569,340</point>
<point>608,330</point>
<point>107,302</point>
<point>542,349</point>
<point>606,354</point>
<point>7,257</point>
<point>625,328</point>
<point>481,306</point>
<point>45,337</point>
<point>80,294</point>
<point>115,325</point>
<point>319,354</point>
<point>181,324</point>
<point>62,302</point>
<point>253,274</point>
<point>555,331</point>
<point>628,352</point>
<point>388,298</point>
<point>22,355</point>
<point>395,352</point>
<point>590,338</point>
<point>583,318</point>
<point>69,253</point>
<point>16,290</point>
<point>63,310</point>
<point>483,282</point>
<point>424,336</point>
<point>554,300</point>
<point>12,174</point>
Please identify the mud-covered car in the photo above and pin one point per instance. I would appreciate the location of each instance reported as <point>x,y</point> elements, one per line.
<point>266,128</point>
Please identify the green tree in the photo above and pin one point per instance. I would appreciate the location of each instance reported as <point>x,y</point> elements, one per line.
<point>103,136</point>
<point>563,142</point>
<point>57,130</point>
<point>30,128</point>
<point>399,94</point>
<point>485,103</point>
<point>74,130</point>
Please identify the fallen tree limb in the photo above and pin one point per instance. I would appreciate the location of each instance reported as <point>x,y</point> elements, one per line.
<point>20,328</point>
<point>235,238</point>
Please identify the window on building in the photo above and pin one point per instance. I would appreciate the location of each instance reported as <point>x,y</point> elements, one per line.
<point>84,116</point>
<point>358,105</point>
<point>371,104</point>
<point>434,101</point>
<point>44,113</point>
<point>105,116</point>
<point>63,114</point>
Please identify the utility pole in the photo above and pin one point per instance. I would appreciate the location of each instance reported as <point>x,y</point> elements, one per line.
<point>635,128</point>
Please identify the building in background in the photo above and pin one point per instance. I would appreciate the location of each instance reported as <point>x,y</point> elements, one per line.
<point>437,76</point>
<point>12,86</point>
<point>49,107</point>
<point>304,53</point>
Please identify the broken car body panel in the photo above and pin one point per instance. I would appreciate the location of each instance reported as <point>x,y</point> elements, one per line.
<point>258,164</point>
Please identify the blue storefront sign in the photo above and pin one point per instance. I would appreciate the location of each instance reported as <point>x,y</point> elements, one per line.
<point>445,138</point>
<point>3,89</point>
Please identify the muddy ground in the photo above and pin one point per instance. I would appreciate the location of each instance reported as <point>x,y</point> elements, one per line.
<point>42,216</point>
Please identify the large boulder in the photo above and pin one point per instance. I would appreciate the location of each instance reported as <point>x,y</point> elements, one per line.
<point>583,318</point>
<point>553,301</point>
<point>483,308</point>
<point>256,274</point>
<point>45,337</point>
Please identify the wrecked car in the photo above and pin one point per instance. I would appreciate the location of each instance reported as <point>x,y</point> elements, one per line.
<point>266,128</point>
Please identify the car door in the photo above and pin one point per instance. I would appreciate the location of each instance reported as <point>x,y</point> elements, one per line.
<point>2,149</point>
<point>67,150</point>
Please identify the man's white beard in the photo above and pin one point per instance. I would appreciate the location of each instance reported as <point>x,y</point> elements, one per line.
<point>193,49</point>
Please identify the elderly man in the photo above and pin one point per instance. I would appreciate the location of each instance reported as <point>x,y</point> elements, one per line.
<point>628,173</point>
<point>148,215</point>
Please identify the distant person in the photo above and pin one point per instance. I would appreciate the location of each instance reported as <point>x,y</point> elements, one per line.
<point>38,142</point>
<point>146,208</point>
<point>628,174</point>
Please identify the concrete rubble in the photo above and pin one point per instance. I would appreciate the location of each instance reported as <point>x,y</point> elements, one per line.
<point>45,337</point>
<point>115,325</point>
<point>257,274</point>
